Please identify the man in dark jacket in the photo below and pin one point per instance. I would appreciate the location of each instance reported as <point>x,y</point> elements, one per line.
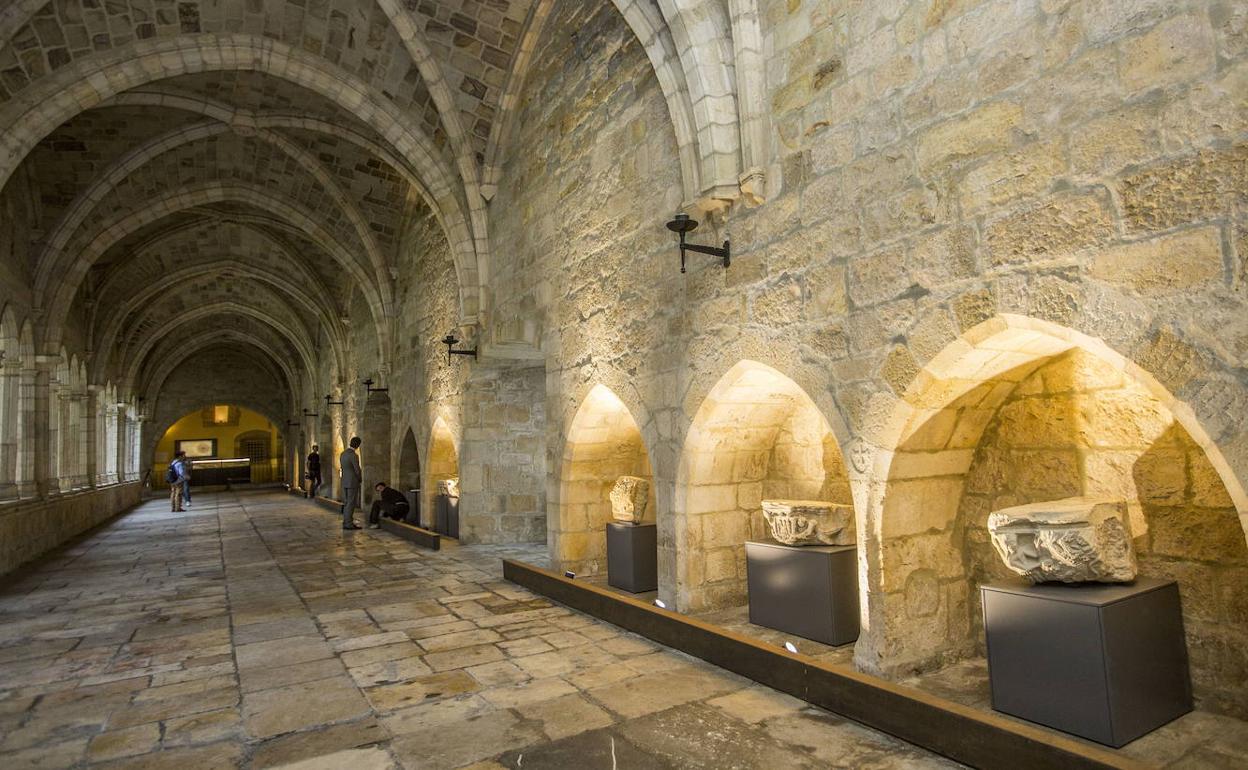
<point>314,471</point>
<point>390,502</point>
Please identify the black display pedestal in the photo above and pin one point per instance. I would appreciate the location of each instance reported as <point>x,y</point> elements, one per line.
<point>633,557</point>
<point>810,591</point>
<point>1106,662</point>
<point>446,516</point>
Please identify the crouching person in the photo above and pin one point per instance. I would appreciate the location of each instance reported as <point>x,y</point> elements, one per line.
<point>389,502</point>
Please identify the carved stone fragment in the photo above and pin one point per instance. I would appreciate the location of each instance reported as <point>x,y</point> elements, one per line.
<point>809,522</point>
<point>1075,540</point>
<point>629,498</point>
<point>449,487</point>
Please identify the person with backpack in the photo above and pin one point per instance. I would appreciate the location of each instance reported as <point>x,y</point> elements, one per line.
<point>175,475</point>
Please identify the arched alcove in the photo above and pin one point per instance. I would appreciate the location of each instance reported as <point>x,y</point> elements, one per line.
<point>1028,414</point>
<point>603,443</point>
<point>757,435</point>
<point>216,433</point>
<point>375,446</point>
<point>408,477</point>
<point>443,460</point>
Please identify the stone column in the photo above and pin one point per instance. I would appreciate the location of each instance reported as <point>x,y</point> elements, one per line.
<point>26,434</point>
<point>43,433</point>
<point>10,389</point>
<point>90,463</point>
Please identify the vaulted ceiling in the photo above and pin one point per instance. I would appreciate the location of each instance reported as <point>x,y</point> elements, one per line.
<point>248,167</point>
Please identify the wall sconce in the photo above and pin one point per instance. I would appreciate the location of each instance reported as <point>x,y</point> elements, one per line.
<point>369,389</point>
<point>451,341</point>
<point>292,423</point>
<point>683,224</point>
<point>307,414</point>
<point>330,402</point>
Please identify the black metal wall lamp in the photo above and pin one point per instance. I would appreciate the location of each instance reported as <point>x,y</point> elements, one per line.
<point>451,341</point>
<point>330,402</point>
<point>306,413</point>
<point>683,224</point>
<point>369,389</point>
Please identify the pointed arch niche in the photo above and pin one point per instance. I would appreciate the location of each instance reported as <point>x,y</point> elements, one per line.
<point>1021,411</point>
<point>603,444</point>
<point>756,436</point>
<point>443,463</point>
<point>409,467</point>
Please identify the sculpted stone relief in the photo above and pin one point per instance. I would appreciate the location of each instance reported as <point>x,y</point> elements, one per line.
<point>629,499</point>
<point>449,487</point>
<point>809,522</point>
<point>1075,540</point>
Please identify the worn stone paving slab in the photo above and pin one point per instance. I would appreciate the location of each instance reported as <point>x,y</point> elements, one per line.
<point>253,633</point>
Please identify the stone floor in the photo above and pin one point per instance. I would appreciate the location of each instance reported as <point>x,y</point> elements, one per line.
<point>252,632</point>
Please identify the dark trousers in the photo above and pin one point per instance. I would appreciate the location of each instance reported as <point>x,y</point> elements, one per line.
<point>389,510</point>
<point>314,483</point>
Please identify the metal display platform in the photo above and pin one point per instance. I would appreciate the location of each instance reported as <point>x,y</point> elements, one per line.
<point>1106,662</point>
<point>807,591</point>
<point>633,557</point>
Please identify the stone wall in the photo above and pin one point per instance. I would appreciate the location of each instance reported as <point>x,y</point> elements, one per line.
<point>31,528</point>
<point>936,172</point>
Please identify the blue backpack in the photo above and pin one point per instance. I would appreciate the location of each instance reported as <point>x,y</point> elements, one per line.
<point>172,475</point>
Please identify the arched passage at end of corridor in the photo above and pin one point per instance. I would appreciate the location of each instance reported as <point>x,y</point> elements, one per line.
<point>375,446</point>
<point>1021,411</point>
<point>603,443</point>
<point>226,443</point>
<point>756,436</point>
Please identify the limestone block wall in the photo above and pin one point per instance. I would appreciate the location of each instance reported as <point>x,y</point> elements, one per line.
<point>503,461</point>
<point>31,528</point>
<point>956,192</point>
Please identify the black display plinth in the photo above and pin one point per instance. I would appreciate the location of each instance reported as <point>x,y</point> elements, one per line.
<point>633,557</point>
<point>446,516</point>
<point>810,591</point>
<point>1104,662</point>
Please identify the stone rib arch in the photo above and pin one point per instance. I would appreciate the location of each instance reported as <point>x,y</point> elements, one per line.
<point>648,24</point>
<point>702,34</point>
<point>153,383</point>
<point>918,613</point>
<point>453,221</point>
<point>89,82</point>
<point>111,326</point>
<point>602,443</point>
<point>186,198</point>
<point>138,354</point>
<point>755,435</point>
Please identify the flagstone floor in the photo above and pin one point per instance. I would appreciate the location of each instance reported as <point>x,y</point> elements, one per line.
<point>251,632</point>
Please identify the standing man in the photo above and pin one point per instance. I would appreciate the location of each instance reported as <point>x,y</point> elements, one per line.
<point>186,480</point>
<point>174,476</point>
<point>314,471</point>
<point>351,479</point>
